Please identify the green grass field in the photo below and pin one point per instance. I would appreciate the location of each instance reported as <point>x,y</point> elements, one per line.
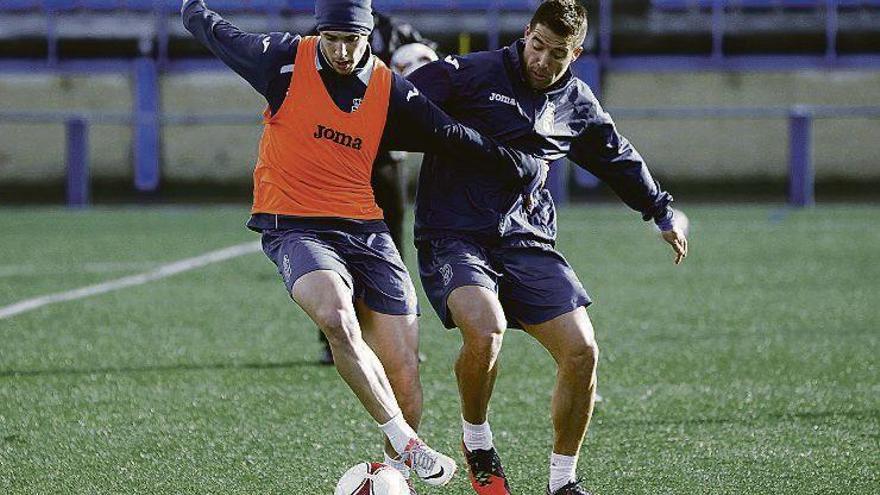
<point>752,368</point>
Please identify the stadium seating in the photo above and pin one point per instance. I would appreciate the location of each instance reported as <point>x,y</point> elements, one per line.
<point>397,5</point>
<point>20,5</point>
<point>253,5</point>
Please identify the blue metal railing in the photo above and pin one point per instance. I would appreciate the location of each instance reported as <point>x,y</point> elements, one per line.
<point>801,174</point>
<point>147,119</point>
<point>801,171</point>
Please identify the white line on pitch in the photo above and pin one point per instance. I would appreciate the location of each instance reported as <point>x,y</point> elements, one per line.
<point>133,280</point>
<point>29,270</point>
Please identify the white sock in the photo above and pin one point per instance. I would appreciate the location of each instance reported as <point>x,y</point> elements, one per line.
<point>399,433</point>
<point>562,470</point>
<point>477,437</point>
<point>398,465</point>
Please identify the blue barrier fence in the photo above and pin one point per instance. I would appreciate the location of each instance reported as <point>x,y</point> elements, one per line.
<point>146,119</point>
<point>801,174</point>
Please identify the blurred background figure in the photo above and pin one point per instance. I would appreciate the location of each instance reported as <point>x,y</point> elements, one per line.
<point>410,57</point>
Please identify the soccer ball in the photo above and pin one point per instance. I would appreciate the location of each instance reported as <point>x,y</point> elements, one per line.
<point>408,58</point>
<point>372,478</point>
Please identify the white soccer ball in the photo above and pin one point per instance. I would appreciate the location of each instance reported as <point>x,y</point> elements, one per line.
<point>372,478</point>
<point>408,58</point>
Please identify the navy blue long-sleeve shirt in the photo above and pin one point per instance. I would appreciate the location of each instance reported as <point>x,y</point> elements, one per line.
<point>414,123</point>
<point>487,91</point>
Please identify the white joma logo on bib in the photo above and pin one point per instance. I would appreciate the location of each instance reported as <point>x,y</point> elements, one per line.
<point>503,99</point>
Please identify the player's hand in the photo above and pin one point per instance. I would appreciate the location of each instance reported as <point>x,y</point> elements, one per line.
<point>678,241</point>
<point>530,198</point>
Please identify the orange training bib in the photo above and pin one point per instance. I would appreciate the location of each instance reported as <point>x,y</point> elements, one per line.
<point>316,160</point>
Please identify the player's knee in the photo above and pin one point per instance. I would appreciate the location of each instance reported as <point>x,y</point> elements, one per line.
<point>334,322</point>
<point>406,365</point>
<point>581,359</point>
<point>484,330</point>
<point>406,383</point>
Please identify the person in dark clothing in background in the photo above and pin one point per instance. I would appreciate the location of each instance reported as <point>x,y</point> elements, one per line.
<point>389,175</point>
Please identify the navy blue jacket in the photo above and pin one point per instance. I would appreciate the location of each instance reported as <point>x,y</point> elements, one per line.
<point>488,91</point>
<point>414,123</point>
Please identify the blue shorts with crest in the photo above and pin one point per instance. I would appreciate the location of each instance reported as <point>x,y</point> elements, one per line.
<point>533,281</point>
<point>368,262</point>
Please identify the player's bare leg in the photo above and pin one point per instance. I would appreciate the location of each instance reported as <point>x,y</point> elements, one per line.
<point>395,341</point>
<point>570,340</point>
<point>389,189</point>
<point>327,300</point>
<point>478,314</point>
<point>325,297</point>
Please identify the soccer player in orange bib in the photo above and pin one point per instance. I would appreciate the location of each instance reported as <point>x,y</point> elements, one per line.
<point>332,106</point>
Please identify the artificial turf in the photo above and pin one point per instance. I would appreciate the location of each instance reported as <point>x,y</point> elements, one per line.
<point>751,368</point>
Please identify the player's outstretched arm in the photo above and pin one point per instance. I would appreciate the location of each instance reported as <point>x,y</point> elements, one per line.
<point>610,157</point>
<point>417,124</point>
<point>602,151</point>
<point>256,57</point>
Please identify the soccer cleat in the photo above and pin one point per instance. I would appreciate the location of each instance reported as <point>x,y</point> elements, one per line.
<point>485,471</point>
<point>431,466</point>
<point>573,488</point>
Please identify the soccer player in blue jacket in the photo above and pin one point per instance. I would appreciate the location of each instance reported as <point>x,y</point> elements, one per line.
<point>486,250</point>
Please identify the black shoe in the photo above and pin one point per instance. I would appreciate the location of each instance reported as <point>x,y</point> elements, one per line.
<point>326,356</point>
<point>485,472</point>
<point>573,488</point>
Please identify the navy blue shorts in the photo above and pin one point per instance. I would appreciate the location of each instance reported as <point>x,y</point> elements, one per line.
<point>368,262</point>
<point>534,284</point>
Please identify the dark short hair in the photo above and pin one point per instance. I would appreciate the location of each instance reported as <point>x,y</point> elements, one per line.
<point>566,18</point>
